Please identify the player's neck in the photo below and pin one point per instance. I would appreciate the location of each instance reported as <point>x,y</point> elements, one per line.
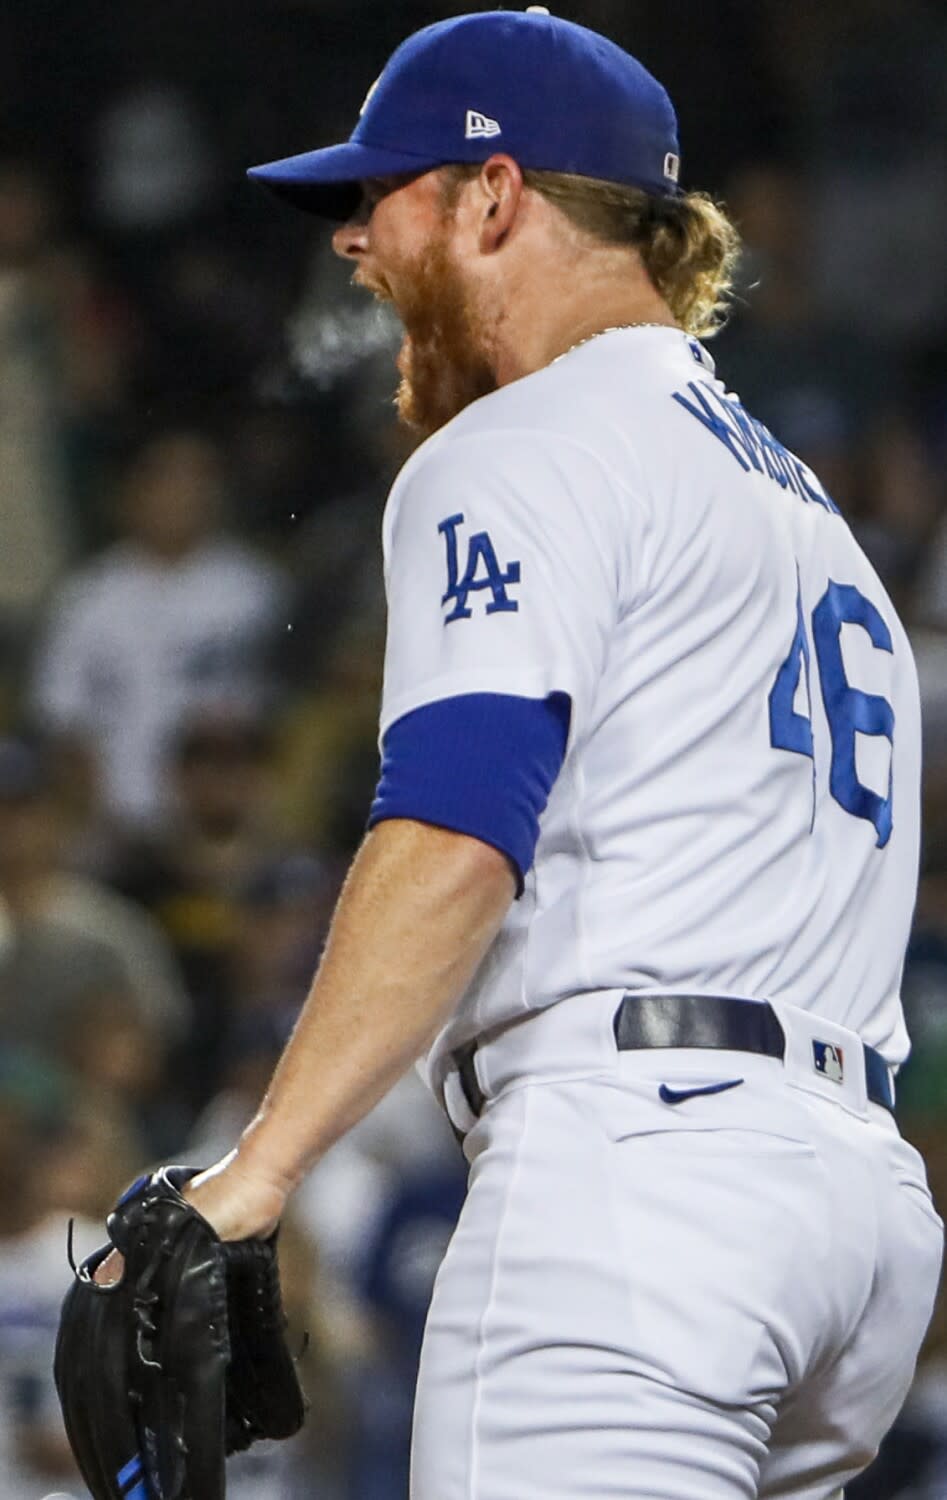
<point>548,325</point>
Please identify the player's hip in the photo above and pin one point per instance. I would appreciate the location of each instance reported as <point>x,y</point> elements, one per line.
<point>669,1051</point>
<point>686,1190</point>
<point>610,1279</point>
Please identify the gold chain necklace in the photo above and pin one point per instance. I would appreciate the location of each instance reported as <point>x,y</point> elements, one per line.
<point>615,328</point>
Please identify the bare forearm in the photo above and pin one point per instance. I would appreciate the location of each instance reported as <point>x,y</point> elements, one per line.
<point>418,912</point>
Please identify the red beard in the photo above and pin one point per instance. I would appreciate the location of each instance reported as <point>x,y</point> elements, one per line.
<point>444,361</point>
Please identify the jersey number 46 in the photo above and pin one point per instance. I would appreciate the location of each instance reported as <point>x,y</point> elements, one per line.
<point>848,710</point>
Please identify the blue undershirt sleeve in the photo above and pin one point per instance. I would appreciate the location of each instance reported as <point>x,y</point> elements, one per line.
<point>481,764</point>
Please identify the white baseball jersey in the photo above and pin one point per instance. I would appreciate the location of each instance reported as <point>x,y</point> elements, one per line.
<point>737,812</point>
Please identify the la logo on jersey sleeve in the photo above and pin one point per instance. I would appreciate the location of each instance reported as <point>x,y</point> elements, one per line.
<point>482,571</point>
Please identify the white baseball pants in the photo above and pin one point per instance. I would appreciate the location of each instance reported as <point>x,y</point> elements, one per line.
<point>717,1299</point>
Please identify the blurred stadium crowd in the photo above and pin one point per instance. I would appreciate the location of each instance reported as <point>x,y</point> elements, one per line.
<point>196,439</point>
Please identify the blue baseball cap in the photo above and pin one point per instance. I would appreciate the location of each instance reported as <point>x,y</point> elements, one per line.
<point>554,95</point>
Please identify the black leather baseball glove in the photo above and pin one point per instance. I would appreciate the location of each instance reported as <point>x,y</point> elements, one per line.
<point>182,1361</point>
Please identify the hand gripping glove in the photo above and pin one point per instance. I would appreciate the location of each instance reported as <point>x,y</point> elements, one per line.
<point>179,1363</point>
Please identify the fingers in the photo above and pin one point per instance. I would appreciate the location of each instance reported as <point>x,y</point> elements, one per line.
<point>110,1271</point>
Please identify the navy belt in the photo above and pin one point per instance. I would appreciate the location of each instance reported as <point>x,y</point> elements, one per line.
<point>716,1021</point>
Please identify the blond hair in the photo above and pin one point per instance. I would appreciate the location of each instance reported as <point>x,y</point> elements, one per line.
<point>688,245</point>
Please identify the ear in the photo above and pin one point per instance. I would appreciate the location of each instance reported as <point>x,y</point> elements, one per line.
<point>501,188</point>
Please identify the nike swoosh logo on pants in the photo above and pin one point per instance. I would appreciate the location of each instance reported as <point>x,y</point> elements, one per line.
<point>678,1096</point>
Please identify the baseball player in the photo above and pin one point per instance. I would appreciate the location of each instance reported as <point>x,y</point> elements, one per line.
<point>642,860</point>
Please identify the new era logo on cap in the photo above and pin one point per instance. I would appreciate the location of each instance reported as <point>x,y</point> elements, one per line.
<point>562,98</point>
<point>829,1060</point>
<point>477,125</point>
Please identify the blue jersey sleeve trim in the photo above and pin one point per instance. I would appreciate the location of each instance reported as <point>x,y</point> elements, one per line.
<point>481,764</point>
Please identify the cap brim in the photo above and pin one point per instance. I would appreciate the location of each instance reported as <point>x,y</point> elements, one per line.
<point>326,182</point>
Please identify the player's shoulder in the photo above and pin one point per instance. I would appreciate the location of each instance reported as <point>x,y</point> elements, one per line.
<point>599,402</point>
<point>503,454</point>
<point>485,435</point>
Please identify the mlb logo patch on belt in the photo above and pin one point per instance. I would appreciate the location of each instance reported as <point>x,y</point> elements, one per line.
<point>829,1060</point>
